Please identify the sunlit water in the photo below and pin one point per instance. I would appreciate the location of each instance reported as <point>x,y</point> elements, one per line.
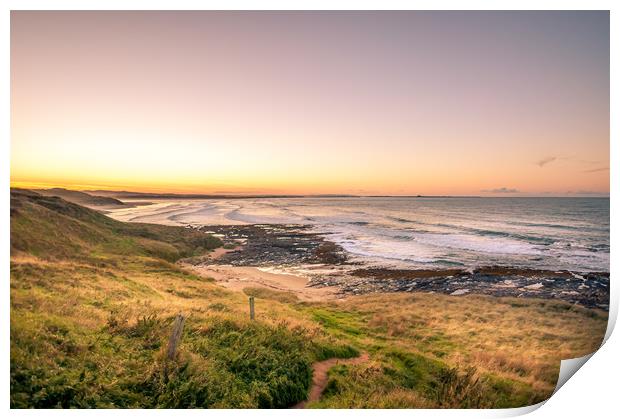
<point>549,233</point>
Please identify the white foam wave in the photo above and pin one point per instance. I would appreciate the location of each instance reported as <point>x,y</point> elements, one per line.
<point>419,232</point>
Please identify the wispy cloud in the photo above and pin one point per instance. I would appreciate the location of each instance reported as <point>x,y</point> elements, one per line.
<point>598,169</point>
<point>501,190</point>
<point>545,161</point>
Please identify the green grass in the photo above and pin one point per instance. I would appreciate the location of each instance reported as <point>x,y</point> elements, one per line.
<point>93,300</point>
<point>338,322</point>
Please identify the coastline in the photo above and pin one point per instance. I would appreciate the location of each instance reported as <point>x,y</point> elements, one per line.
<point>287,258</point>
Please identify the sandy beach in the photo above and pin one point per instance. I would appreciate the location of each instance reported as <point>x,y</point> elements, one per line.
<point>239,277</point>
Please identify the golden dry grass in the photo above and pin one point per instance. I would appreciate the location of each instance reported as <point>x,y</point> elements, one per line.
<point>87,329</point>
<point>520,339</point>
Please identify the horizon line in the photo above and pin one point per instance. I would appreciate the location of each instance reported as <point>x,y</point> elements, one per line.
<point>178,195</point>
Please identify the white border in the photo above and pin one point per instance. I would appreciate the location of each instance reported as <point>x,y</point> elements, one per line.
<point>591,394</point>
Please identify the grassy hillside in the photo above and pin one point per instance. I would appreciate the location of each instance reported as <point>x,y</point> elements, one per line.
<point>50,227</point>
<point>80,198</point>
<point>93,301</point>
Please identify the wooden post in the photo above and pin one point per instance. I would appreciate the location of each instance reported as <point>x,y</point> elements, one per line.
<point>175,337</point>
<point>251,308</point>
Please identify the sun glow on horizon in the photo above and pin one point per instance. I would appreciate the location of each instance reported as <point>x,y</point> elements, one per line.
<point>430,103</point>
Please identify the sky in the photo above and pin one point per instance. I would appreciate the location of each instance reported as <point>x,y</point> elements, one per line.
<point>396,103</point>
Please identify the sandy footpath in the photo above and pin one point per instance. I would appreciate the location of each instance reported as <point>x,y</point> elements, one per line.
<point>239,277</point>
<point>320,376</point>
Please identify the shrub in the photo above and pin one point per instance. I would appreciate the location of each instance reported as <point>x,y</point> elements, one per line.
<point>461,390</point>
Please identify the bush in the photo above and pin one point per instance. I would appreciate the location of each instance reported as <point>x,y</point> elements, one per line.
<point>272,361</point>
<point>195,384</point>
<point>461,390</point>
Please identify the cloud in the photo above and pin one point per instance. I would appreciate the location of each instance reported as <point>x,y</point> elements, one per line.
<point>598,169</point>
<point>501,190</point>
<point>546,160</point>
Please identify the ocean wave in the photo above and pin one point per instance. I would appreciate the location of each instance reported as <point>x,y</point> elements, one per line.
<point>558,226</point>
<point>557,235</point>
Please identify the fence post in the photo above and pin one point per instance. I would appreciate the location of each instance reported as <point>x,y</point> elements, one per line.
<point>251,308</point>
<point>175,337</point>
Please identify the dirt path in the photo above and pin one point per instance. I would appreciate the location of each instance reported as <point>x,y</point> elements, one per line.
<point>319,376</point>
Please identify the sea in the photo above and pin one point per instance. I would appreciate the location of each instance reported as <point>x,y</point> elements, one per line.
<point>420,232</point>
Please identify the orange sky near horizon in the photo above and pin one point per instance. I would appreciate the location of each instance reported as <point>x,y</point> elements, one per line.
<point>397,103</point>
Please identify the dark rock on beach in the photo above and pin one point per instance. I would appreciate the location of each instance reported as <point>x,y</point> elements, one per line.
<point>269,245</point>
<point>294,245</point>
<point>587,289</point>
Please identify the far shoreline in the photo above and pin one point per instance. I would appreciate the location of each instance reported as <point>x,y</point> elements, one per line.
<point>133,195</point>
